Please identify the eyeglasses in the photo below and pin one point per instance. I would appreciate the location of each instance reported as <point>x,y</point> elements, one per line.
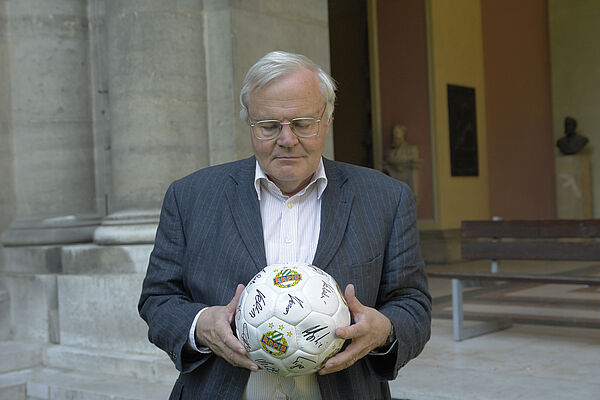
<point>271,128</point>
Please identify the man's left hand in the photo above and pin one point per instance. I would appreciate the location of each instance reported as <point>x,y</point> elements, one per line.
<point>369,331</point>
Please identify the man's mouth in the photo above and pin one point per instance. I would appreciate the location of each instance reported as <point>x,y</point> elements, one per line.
<point>287,157</point>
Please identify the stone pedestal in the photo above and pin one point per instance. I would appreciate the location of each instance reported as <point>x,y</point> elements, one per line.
<point>573,187</point>
<point>405,171</point>
<point>100,312</point>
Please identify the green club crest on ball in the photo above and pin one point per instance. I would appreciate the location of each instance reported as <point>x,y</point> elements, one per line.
<point>274,343</point>
<point>287,278</point>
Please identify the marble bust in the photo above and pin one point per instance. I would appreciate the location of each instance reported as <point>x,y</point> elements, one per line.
<point>402,161</point>
<point>401,152</point>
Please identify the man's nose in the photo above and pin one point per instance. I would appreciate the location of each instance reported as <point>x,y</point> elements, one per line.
<point>287,138</point>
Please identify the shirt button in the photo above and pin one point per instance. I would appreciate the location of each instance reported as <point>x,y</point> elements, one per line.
<point>290,205</point>
<point>288,241</point>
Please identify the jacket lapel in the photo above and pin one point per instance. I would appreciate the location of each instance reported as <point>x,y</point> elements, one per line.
<point>335,211</point>
<point>243,203</point>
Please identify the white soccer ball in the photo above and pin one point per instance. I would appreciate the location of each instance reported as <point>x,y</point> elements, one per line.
<point>287,316</point>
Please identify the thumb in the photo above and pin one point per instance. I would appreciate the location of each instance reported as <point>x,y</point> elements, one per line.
<point>353,304</point>
<point>234,301</point>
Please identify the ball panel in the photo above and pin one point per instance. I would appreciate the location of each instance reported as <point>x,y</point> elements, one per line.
<point>342,315</point>
<point>268,363</point>
<point>258,304</point>
<point>259,278</point>
<point>302,363</point>
<point>248,335</point>
<point>322,295</point>
<point>332,350</point>
<point>315,333</point>
<point>292,307</point>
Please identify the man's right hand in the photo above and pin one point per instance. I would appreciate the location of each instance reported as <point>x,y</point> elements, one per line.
<point>213,329</point>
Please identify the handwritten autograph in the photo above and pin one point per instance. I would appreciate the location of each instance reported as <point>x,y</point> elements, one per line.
<point>259,302</point>
<point>310,334</point>
<point>245,336</point>
<point>293,300</point>
<point>298,364</point>
<point>267,365</point>
<point>326,290</point>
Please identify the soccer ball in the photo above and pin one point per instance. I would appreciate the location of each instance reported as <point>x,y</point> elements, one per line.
<point>287,316</point>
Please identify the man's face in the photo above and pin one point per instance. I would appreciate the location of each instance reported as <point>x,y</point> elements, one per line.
<point>287,160</point>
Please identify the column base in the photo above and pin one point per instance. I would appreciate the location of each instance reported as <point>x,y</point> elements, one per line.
<point>128,227</point>
<point>66,229</point>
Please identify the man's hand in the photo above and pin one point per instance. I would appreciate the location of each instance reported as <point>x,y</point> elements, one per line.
<point>369,331</point>
<point>213,330</point>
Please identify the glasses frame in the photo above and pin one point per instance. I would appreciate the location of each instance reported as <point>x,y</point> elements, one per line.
<point>291,125</point>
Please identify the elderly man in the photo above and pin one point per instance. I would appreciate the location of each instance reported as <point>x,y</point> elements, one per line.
<point>221,225</point>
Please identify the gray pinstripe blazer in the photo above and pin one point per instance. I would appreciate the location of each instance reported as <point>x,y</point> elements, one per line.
<point>209,239</point>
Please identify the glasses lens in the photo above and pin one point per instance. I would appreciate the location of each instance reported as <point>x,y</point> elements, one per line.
<point>305,126</point>
<point>267,129</point>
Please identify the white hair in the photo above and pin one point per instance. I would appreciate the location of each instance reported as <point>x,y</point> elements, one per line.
<point>277,64</point>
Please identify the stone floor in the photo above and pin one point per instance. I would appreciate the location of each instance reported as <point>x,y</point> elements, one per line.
<point>527,361</point>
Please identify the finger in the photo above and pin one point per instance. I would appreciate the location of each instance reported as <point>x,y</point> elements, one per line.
<point>230,341</point>
<point>236,359</point>
<point>353,304</point>
<point>350,331</point>
<point>231,349</point>
<point>341,361</point>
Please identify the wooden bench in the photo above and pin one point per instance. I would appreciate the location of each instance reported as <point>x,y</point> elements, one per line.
<point>552,240</point>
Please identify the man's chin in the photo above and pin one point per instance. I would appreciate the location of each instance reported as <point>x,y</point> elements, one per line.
<point>290,183</point>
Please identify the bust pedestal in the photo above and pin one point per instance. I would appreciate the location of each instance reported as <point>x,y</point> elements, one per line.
<point>573,187</point>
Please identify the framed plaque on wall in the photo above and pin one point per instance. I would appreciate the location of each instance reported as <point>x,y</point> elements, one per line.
<point>463,131</point>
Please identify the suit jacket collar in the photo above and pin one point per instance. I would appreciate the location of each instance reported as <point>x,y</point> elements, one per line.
<point>336,204</point>
<point>244,206</point>
<point>335,212</point>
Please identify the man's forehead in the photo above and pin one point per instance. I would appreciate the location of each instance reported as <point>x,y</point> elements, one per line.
<point>296,93</point>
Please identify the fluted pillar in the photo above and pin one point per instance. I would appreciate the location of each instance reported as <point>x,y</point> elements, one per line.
<point>158,112</point>
<point>50,121</point>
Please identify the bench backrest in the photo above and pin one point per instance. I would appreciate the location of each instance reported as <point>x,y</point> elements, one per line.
<point>494,240</point>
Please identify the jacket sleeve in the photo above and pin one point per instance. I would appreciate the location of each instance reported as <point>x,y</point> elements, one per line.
<point>403,292</point>
<point>164,303</point>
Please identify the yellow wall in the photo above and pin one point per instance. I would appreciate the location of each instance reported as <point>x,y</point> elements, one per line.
<point>456,57</point>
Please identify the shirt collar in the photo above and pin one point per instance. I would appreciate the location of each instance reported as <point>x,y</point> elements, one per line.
<point>319,179</point>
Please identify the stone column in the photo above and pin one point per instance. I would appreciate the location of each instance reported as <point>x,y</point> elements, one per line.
<point>7,194</point>
<point>158,111</point>
<point>47,91</point>
<point>50,123</point>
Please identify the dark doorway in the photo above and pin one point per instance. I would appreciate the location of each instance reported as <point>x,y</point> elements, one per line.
<point>349,48</point>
